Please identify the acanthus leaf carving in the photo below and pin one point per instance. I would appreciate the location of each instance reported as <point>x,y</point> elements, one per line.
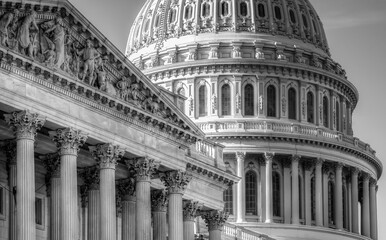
<point>24,123</point>
<point>176,181</point>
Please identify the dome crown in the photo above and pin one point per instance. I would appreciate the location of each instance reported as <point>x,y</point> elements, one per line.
<point>288,21</point>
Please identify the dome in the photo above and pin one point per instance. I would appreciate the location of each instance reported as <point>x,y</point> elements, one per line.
<point>293,22</point>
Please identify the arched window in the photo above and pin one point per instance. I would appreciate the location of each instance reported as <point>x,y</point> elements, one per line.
<point>325,112</point>
<point>276,194</point>
<point>226,100</point>
<point>157,21</point>
<point>271,101</point>
<point>248,100</point>
<point>202,95</point>
<point>277,12</point>
<point>313,204</point>
<point>292,103</point>
<point>305,22</point>
<point>172,15</point>
<point>225,9</point>
<point>206,9</point>
<point>310,107</point>
<point>243,9</point>
<point>331,207</point>
<point>337,116</point>
<point>228,200</point>
<point>147,24</point>
<point>251,193</point>
<point>292,16</point>
<point>188,12</point>
<point>261,10</point>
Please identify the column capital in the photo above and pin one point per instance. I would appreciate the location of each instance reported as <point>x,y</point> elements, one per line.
<point>365,176</point>
<point>68,140</point>
<point>373,182</point>
<point>159,200</point>
<point>190,210</point>
<point>295,158</point>
<point>107,155</point>
<point>215,219</point>
<point>176,181</point>
<point>25,124</point>
<point>144,168</point>
<point>319,162</point>
<point>355,171</point>
<point>338,166</point>
<point>126,189</point>
<point>326,168</point>
<point>269,156</point>
<point>240,156</point>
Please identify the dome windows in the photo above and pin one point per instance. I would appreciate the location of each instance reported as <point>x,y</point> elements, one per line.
<point>172,15</point>
<point>202,95</point>
<point>278,14</point>
<point>310,107</point>
<point>325,112</point>
<point>315,27</point>
<point>292,16</point>
<point>248,100</point>
<point>188,13</point>
<point>271,101</point>
<point>206,10</point>
<point>292,103</point>
<point>261,10</point>
<point>251,193</point>
<point>305,21</point>
<point>243,9</point>
<point>157,21</point>
<point>225,8</point>
<point>225,100</point>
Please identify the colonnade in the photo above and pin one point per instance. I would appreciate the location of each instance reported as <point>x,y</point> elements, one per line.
<point>360,190</point>
<point>139,202</point>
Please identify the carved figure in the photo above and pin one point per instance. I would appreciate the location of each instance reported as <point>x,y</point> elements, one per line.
<point>6,20</point>
<point>24,33</point>
<point>100,70</point>
<point>124,86</point>
<point>50,56</point>
<point>89,54</point>
<point>58,39</point>
<point>108,87</point>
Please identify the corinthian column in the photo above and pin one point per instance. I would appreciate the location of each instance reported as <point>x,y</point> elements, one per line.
<point>366,206</point>
<point>91,187</point>
<point>318,192</point>
<point>373,210</point>
<point>175,182</point>
<point>295,189</point>
<point>190,213</point>
<point>338,197</point>
<point>52,165</point>
<point>68,142</point>
<point>10,152</point>
<point>268,187</point>
<point>215,221</point>
<point>25,124</point>
<point>354,200</point>
<point>240,204</point>
<point>126,189</point>
<point>107,156</point>
<point>145,168</point>
<point>159,204</point>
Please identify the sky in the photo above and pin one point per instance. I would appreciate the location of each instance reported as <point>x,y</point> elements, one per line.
<point>356,32</point>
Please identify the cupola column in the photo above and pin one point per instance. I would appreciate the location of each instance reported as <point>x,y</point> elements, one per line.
<point>373,210</point>
<point>240,204</point>
<point>25,125</point>
<point>190,213</point>
<point>295,189</point>
<point>215,221</point>
<point>318,192</point>
<point>354,200</point>
<point>69,141</point>
<point>366,206</point>
<point>338,197</point>
<point>159,205</point>
<point>175,182</point>
<point>268,187</point>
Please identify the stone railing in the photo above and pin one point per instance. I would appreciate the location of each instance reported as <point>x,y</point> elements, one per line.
<point>231,232</point>
<point>298,129</point>
<point>208,149</point>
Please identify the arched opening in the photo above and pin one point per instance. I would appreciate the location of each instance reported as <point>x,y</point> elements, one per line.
<point>292,16</point>
<point>337,116</point>
<point>243,9</point>
<point>251,193</point>
<point>310,107</point>
<point>225,9</point>
<point>292,103</point>
<point>188,12</point>
<point>248,100</point>
<point>271,101</point>
<point>157,21</point>
<point>276,194</point>
<point>172,15</point>
<point>225,100</point>
<point>325,112</point>
<point>205,9</point>
<point>278,12</point>
<point>202,96</point>
<point>261,10</point>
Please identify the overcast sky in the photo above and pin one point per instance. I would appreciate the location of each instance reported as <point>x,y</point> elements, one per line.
<point>356,32</point>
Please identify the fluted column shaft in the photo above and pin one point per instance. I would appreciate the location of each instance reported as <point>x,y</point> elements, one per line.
<point>159,204</point>
<point>55,207</point>
<point>295,189</point>
<point>128,218</point>
<point>354,201</point>
<point>308,192</point>
<point>240,205</point>
<point>10,151</point>
<point>373,210</point>
<point>366,207</point>
<point>268,187</point>
<point>318,193</point>
<point>338,197</point>
<point>94,215</point>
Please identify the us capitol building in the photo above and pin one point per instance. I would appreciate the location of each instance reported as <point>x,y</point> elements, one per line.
<point>225,119</point>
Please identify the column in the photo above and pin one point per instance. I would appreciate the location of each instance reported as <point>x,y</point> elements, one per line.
<point>10,152</point>
<point>295,189</point>
<point>145,168</point>
<point>373,210</point>
<point>354,200</point>
<point>338,197</point>
<point>307,186</point>
<point>268,187</point>
<point>366,206</point>
<point>318,192</point>
<point>190,213</point>
<point>107,156</point>
<point>159,205</point>
<point>287,190</point>
<point>215,221</point>
<point>240,203</point>
<point>126,189</point>
<point>326,170</point>
<point>91,187</point>
<point>261,194</point>
<point>69,141</point>
<point>84,203</point>
<point>175,182</point>
<point>25,125</point>
<point>52,165</point>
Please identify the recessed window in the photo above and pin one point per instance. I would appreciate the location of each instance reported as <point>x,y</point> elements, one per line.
<point>188,12</point>
<point>310,107</point>
<point>157,21</point>
<point>277,12</point>
<point>228,200</point>
<point>305,22</point>
<point>202,95</point>
<point>205,9</point>
<point>248,100</point>
<point>172,15</point>
<point>226,100</point>
<point>261,10</point>
<point>271,101</point>
<point>225,9</point>
<point>146,28</point>
<point>292,16</point>
<point>337,117</point>
<point>292,103</point>
<point>276,194</point>
<point>251,193</point>
<point>325,112</point>
<point>39,212</point>
<point>243,9</point>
